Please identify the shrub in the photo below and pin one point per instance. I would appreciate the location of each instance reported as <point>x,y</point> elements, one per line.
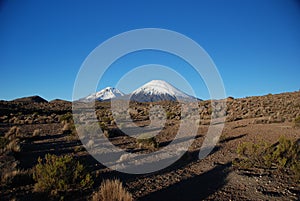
<point>250,154</point>
<point>13,133</point>
<point>147,140</point>
<point>13,146</point>
<point>68,122</point>
<point>113,132</point>
<point>112,190</point>
<point>59,173</point>
<point>3,143</point>
<point>67,128</point>
<point>8,170</point>
<point>106,120</point>
<point>36,132</point>
<point>284,154</point>
<point>103,126</point>
<point>170,115</point>
<point>68,117</point>
<point>11,142</point>
<point>297,122</point>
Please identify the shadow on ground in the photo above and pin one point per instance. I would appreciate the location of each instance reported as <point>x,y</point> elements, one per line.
<point>53,144</point>
<point>195,188</point>
<point>228,139</point>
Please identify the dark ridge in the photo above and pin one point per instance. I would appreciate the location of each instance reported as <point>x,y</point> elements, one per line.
<point>59,101</point>
<point>34,99</point>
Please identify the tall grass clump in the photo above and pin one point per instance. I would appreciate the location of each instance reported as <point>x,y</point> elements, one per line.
<point>10,142</point>
<point>13,133</point>
<point>112,190</point>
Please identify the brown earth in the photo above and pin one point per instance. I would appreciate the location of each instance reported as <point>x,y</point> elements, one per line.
<point>251,119</point>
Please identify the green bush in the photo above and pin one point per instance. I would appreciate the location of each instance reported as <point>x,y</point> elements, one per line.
<point>59,173</point>
<point>284,154</point>
<point>251,154</point>
<point>106,120</point>
<point>103,126</point>
<point>147,141</point>
<point>170,115</point>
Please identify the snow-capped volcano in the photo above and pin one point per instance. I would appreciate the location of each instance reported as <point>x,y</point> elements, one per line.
<point>104,94</point>
<point>155,90</point>
<point>158,90</point>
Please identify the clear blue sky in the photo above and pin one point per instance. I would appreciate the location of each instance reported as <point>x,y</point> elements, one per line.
<point>254,44</point>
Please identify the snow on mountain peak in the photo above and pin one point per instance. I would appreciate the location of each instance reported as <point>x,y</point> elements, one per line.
<point>158,90</point>
<point>105,94</point>
<point>158,87</point>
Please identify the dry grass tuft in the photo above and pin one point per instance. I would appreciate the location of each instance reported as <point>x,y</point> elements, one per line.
<point>16,177</point>
<point>36,132</point>
<point>13,133</point>
<point>13,146</point>
<point>112,190</point>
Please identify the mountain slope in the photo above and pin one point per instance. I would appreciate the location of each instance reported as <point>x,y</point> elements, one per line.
<point>159,90</point>
<point>104,94</point>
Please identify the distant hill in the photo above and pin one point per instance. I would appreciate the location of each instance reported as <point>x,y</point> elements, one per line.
<point>34,99</point>
<point>59,101</point>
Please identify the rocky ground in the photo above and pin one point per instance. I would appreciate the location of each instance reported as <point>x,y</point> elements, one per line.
<point>43,127</point>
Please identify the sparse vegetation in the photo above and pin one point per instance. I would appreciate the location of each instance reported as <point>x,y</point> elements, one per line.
<point>147,141</point>
<point>68,117</point>
<point>16,177</point>
<point>13,146</point>
<point>297,122</point>
<point>251,154</point>
<point>114,132</point>
<point>103,126</point>
<point>3,143</point>
<point>112,190</point>
<point>68,128</point>
<point>265,169</point>
<point>106,119</point>
<point>11,141</point>
<point>170,115</point>
<point>13,133</point>
<point>59,173</point>
<point>284,154</point>
<point>68,125</point>
<point>36,132</point>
